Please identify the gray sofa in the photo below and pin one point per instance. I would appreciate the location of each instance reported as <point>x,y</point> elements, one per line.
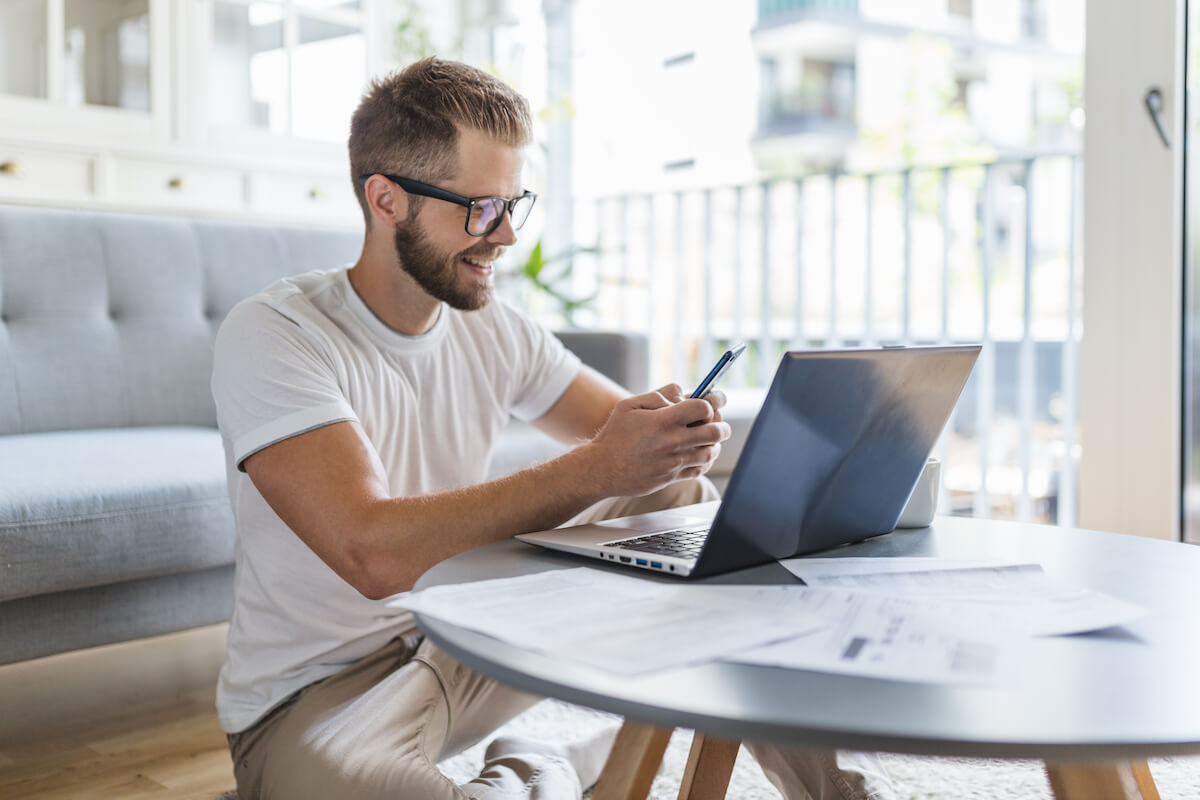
<point>114,518</point>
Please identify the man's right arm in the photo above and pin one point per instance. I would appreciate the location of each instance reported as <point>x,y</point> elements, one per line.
<point>329,486</point>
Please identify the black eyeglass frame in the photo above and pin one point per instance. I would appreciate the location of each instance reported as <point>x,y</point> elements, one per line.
<point>426,190</point>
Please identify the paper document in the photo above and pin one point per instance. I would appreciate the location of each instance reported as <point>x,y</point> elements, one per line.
<point>1018,597</point>
<point>894,638</point>
<point>619,623</point>
<point>899,619</point>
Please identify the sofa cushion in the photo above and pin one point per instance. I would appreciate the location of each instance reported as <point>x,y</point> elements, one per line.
<point>122,309</point>
<point>93,507</point>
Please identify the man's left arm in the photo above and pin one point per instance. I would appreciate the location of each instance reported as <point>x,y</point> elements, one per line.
<point>583,408</point>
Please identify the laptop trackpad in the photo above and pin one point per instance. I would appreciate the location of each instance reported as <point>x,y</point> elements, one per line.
<point>656,521</point>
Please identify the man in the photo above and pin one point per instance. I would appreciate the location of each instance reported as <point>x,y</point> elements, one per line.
<point>358,408</point>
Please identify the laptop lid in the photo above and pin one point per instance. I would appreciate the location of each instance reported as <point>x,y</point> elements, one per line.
<point>835,451</point>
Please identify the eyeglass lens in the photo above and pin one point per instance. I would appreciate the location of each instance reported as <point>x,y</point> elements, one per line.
<point>486,214</point>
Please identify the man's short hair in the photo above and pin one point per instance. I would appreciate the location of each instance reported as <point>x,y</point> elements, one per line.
<point>407,123</point>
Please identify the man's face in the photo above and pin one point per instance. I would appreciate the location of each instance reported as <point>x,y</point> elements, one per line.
<point>433,245</point>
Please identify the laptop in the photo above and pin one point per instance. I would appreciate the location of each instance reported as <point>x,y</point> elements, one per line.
<point>832,457</point>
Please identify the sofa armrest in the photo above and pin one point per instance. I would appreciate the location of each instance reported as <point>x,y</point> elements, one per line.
<point>624,357</point>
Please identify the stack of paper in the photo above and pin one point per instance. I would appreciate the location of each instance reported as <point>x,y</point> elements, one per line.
<point>619,623</point>
<point>921,619</point>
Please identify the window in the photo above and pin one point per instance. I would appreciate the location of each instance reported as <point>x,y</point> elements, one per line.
<point>290,67</point>
<point>78,52</point>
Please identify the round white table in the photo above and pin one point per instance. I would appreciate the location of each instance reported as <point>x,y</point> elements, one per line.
<point>1092,706</point>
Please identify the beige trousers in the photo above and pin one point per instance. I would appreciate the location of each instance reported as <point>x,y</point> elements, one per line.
<point>378,728</point>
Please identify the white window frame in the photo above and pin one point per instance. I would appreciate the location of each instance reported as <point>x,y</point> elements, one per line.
<point>1131,352</point>
<point>49,118</point>
<point>194,125</point>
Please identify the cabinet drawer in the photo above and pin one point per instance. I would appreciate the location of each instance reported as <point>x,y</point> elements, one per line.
<point>28,173</point>
<point>318,197</point>
<point>155,183</point>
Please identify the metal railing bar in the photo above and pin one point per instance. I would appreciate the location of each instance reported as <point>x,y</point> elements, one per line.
<point>707,354</point>
<point>623,313</point>
<point>766,343</point>
<point>1070,377</point>
<point>739,366</point>
<point>868,257</point>
<point>985,367</point>
<point>833,340</point>
<point>650,271</point>
<point>946,236</point>
<point>943,445</point>
<point>1026,375</point>
<point>799,341</point>
<point>677,366</point>
<point>598,260</point>
<point>905,318</point>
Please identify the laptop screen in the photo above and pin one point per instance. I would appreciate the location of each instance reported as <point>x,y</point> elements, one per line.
<point>834,453</point>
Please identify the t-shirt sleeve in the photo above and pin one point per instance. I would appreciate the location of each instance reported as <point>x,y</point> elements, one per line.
<point>546,368</point>
<point>271,380</point>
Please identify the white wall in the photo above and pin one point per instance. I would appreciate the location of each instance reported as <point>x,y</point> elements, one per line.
<point>1130,355</point>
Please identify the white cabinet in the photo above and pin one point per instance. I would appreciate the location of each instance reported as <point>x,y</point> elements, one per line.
<point>220,107</point>
<point>31,173</point>
<point>175,185</point>
<point>310,197</point>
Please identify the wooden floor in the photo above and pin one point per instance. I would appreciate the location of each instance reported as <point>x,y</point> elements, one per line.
<point>133,720</point>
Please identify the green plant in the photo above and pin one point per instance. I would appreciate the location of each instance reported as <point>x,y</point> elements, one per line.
<point>535,270</point>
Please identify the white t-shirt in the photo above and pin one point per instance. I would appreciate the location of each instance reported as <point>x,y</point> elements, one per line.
<point>308,352</point>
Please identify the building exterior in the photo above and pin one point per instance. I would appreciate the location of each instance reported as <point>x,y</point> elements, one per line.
<point>859,84</point>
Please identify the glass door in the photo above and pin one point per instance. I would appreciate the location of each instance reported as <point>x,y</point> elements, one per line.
<point>77,52</point>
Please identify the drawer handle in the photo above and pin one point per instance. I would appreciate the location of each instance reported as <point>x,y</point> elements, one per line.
<point>10,168</point>
<point>176,183</point>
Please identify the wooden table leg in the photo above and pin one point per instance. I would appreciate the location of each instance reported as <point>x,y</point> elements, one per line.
<point>709,766</point>
<point>633,762</point>
<point>1122,780</point>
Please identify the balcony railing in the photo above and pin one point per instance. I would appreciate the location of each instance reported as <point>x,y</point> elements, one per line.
<point>981,252</point>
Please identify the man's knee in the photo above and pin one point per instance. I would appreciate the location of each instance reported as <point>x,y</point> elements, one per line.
<point>680,493</point>
<point>683,493</point>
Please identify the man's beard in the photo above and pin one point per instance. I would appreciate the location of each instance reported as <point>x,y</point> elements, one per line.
<point>437,272</point>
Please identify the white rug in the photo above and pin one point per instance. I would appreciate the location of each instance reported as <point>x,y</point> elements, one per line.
<point>915,778</point>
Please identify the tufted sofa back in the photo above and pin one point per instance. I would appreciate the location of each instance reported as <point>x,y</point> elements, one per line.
<point>107,320</point>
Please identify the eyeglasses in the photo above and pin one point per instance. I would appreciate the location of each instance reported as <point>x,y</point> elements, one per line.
<point>484,214</point>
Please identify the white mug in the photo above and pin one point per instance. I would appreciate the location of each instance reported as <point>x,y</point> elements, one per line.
<point>922,503</point>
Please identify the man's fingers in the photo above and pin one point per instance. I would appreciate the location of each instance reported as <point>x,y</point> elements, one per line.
<point>699,437</point>
<point>713,433</point>
<point>673,392</point>
<point>650,400</point>
<point>687,412</point>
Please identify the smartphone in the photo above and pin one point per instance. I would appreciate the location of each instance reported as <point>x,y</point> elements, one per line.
<point>714,374</point>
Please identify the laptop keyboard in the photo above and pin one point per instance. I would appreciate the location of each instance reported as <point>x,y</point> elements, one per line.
<point>681,543</point>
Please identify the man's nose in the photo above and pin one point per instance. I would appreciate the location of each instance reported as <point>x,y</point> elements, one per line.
<point>504,234</point>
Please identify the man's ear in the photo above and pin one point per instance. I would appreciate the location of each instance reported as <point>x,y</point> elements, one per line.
<point>388,204</point>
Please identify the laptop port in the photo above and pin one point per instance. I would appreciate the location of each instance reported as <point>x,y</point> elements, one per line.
<point>641,562</point>
<point>626,559</point>
<point>656,564</point>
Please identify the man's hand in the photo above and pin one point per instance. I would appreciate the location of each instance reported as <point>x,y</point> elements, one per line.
<point>654,439</point>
